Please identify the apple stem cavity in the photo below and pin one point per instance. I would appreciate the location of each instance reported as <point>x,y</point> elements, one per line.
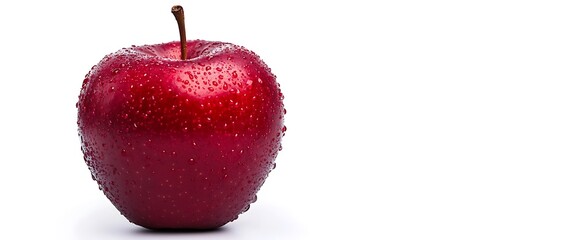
<point>179,13</point>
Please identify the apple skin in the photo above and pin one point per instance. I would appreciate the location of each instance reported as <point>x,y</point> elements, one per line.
<point>181,144</point>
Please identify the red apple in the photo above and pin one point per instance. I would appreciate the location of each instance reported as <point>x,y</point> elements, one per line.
<point>181,143</point>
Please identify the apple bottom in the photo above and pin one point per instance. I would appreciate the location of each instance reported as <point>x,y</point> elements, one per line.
<point>181,182</point>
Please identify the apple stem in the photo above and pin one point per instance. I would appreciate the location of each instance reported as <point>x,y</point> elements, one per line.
<point>179,13</point>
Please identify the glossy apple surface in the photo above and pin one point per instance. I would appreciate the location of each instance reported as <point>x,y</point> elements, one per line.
<point>181,143</point>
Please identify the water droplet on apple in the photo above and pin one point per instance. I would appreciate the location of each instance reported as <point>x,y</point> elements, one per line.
<point>234,74</point>
<point>215,83</point>
<point>211,89</point>
<point>246,208</point>
<point>249,82</point>
<point>208,68</point>
<point>190,75</point>
<point>221,76</point>
<point>219,69</point>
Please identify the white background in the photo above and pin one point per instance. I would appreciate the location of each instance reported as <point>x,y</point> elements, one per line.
<point>406,119</point>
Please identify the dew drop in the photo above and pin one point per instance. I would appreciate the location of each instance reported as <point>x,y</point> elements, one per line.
<point>211,89</point>
<point>208,68</point>
<point>215,83</point>
<point>234,74</point>
<point>189,74</point>
<point>246,208</point>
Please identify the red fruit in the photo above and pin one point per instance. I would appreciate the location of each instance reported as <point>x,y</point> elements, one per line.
<point>181,143</point>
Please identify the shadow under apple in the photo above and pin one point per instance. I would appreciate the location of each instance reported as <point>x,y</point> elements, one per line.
<point>261,222</point>
<point>146,231</point>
